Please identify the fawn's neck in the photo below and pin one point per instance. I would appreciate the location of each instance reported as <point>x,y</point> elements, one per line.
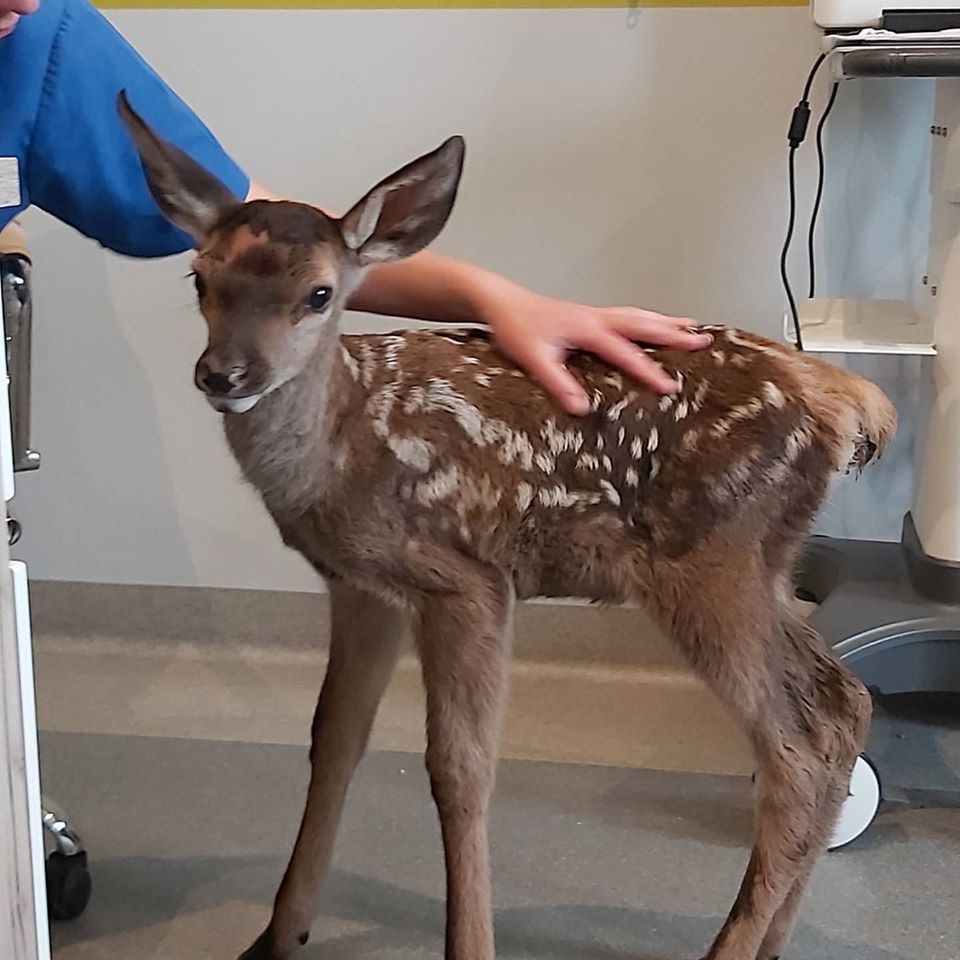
<point>284,445</point>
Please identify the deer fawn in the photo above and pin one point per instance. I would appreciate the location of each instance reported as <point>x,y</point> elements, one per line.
<point>427,479</point>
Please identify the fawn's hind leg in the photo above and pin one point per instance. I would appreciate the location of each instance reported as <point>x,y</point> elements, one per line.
<point>844,725</point>
<point>728,620</point>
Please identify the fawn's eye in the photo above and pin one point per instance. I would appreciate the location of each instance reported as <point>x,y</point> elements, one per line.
<point>319,298</point>
<point>200,284</point>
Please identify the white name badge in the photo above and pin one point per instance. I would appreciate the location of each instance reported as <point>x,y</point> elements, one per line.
<point>9,182</point>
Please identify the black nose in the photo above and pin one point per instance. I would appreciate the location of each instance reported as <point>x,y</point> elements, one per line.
<point>221,382</point>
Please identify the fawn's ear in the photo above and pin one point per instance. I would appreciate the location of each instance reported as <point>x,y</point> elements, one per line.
<point>404,213</point>
<point>188,195</point>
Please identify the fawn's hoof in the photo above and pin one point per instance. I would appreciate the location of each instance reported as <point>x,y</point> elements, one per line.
<point>263,949</point>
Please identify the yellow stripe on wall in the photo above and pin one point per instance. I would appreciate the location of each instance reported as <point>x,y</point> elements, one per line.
<point>429,4</point>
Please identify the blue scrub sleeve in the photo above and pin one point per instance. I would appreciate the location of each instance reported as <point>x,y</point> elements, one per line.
<point>82,166</point>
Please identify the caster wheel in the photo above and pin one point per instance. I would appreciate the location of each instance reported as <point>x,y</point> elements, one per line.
<point>69,885</point>
<point>861,806</point>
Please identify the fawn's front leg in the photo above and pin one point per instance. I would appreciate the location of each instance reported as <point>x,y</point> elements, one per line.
<point>463,644</point>
<point>364,644</point>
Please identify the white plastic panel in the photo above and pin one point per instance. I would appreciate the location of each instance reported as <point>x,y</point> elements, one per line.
<point>28,707</point>
<point>6,444</point>
<point>846,14</point>
<point>835,325</point>
<point>837,14</point>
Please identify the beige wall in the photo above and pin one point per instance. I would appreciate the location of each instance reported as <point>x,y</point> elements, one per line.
<point>608,164</point>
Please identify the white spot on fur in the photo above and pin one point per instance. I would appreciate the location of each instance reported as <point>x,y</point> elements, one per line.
<point>412,451</point>
<point>438,486</point>
<point>718,357</point>
<point>442,396</point>
<point>478,493</point>
<point>368,363</point>
<point>773,394</point>
<point>798,440</point>
<point>380,406</point>
<point>473,360</point>
<point>524,496</point>
<point>416,399</point>
<point>621,436</point>
<point>554,497</point>
<point>613,414</point>
<point>683,408</point>
<point>350,362</point>
<point>600,443</point>
<point>456,335</point>
<point>653,440</point>
<point>636,448</point>
<point>560,496</point>
<point>665,403</point>
<point>735,338</point>
<point>482,379</point>
<point>545,462</point>
<point>559,441</point>
<point>700,394</point>
<point>514,444</point>
<point>746,411</point>
<point>516,447</point>
<point>392,346</point>
<point>607,465</point>
<point>610,491</point>
<point>554,438</point>
<point>588,461</point>
<point>632,477</point>
<point>596,400</point>
<point>654,467</point>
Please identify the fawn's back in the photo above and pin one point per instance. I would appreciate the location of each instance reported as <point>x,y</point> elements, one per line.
<point>436,448</point>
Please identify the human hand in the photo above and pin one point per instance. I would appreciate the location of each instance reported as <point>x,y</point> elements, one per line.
<point>538,332</point>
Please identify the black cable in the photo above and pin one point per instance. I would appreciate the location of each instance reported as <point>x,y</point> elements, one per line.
<point>799,121</point>
<point>811,260</point>
<point>813,72</point>
<point>786,246</point>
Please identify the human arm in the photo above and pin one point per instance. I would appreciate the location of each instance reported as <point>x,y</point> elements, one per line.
<point>536,331</point>
<point>79,163</point>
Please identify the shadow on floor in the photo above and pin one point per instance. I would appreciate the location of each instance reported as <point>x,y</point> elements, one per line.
<point>188,840</point>
<point>147,895</point>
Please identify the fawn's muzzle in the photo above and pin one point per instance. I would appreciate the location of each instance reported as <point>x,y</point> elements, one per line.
<point>230,385</point>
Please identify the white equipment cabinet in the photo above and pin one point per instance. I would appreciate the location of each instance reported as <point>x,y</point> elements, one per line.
<point>892,610</point>
<point>24,927</point>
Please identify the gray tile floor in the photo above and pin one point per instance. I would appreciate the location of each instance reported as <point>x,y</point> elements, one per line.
<point>620,825</point>
<point>188,838</point>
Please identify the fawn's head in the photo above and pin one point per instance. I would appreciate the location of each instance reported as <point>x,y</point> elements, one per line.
<point>272,278</point>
